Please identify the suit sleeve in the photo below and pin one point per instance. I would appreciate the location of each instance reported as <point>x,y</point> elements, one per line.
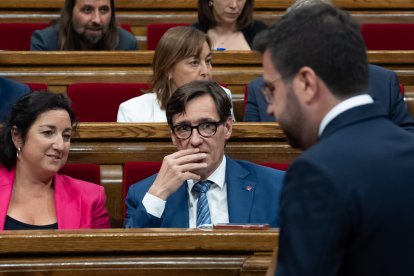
<point>136,214</point>
<point>100,214</point>
<point>398,110</point>
<point>37,42</point>
<point>251,112</point>
<point>314,221</point>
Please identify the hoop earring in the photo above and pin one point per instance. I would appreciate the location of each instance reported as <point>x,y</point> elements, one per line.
<point>210,3</point>
<point>19,152</point>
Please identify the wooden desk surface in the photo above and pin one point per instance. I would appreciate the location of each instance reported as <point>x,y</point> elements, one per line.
<point>136,252</point>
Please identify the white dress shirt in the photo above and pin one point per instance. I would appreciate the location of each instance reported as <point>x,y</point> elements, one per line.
<point>216,195</point>
<point>342,107</point>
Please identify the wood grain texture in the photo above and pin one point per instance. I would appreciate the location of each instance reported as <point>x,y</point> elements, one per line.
<point>136,252</point>
<point>117,143</point>
<point>230,67</point>
<point>192,4</point>
<point>234,68</point>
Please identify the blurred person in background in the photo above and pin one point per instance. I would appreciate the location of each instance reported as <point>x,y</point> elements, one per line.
<point>182,55</point>
<point>228,23</point>
<point>84,25</point>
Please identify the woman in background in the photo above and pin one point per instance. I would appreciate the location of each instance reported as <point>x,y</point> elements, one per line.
<point>228,23</point>
<point>182,55</point>
<point>35,141</point>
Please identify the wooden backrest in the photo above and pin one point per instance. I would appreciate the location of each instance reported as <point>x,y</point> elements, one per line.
<point>235,68</point>
<point>137,252</point>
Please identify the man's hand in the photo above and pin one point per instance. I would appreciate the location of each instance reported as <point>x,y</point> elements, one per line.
<point>175,169</point>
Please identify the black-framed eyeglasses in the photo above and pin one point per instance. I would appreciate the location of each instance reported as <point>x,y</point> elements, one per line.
<point>205,129</point>
<point>268,90</point>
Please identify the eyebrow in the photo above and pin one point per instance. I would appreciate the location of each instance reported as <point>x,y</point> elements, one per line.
<point>54,127</point>
<point>200,121</point>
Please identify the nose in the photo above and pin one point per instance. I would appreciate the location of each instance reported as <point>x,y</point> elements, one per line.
<point>204,70</point>
<point>96,18</point>
<point>195,138</point>
<point>233,4</point>
<point>59,143</point>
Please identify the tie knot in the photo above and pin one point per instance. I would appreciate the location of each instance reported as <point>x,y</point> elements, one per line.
<point>202,186</point>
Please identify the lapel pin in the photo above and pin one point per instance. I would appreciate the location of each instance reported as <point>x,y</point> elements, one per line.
<point>248,188</point>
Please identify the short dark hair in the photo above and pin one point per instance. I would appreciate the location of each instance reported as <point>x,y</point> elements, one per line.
<point>23,114</point>
<point>206,16</point>
<point>323,38</point>
<point>184,94</point>
<point>70,40</point>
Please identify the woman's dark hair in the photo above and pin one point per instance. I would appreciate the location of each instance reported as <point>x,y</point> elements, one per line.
<point>69,39</point>
<point>23,114</point>
<point>206,16</point>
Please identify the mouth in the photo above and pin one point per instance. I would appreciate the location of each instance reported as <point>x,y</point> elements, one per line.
<point>232,14</point>
<point>94,30</point>
<point>55,157</point>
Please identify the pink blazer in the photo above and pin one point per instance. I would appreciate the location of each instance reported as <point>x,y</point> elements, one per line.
<point>79,204</point>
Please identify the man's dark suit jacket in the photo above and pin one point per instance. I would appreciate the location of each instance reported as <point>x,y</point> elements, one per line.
<point>10,92</point>
<point>347,202</point>
<point>252,197</point>
<point>383,87</point>
<point>48,40</point>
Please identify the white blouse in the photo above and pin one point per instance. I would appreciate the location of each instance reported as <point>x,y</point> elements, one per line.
<point>145,109</point>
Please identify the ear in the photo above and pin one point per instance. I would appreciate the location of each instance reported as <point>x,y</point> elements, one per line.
<point>173,139</point>
<point>306,85</point>
<point>16,137</point>
<point>228,127</point>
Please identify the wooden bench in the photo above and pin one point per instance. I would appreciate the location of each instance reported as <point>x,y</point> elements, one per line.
<point>140,13</point>
<point>235,68</point>
<point>111,145</point>
<point>137,252</point>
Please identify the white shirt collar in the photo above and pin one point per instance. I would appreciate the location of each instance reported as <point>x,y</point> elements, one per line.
<point>342,107</point>
<point>218,176</point>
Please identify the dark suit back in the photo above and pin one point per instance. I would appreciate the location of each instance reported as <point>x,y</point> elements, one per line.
<point>346,205</point>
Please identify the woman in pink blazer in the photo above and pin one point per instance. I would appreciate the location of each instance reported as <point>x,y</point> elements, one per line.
<point>35,142</point>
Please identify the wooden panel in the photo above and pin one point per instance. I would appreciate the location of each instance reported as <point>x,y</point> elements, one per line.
<point>192,4</point>
<point>136,252</point>
<point>112,143</point>
<point>140,13</point>
<point>235,68</point>
<point>231,67</point>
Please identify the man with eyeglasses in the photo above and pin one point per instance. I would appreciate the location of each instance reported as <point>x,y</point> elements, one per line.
<point>346,207</point>
<point>198,185</point>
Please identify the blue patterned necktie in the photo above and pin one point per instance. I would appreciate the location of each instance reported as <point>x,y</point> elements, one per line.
<point>203,212</point>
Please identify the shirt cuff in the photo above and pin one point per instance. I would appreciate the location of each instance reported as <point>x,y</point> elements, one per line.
<point>154,205</point>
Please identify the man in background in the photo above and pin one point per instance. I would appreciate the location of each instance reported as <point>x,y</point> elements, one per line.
<point>84,25</point>
<point>346,203</point>
<point>199,184</point>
